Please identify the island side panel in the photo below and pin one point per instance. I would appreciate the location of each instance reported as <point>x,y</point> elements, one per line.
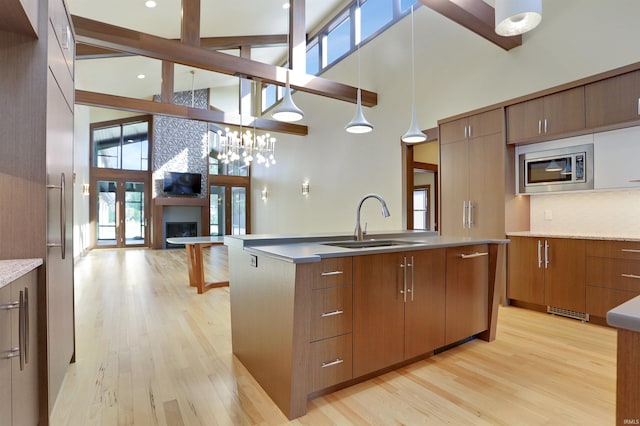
<point>265,333</point>
<point>496,279</point>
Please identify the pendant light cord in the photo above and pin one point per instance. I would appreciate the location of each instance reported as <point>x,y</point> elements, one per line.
<point>413,65</point>
<point>359,41</point>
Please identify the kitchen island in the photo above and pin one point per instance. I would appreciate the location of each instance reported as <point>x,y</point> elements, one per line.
<point>313,314</point>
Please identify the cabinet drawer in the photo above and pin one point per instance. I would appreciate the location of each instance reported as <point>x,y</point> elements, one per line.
<point>614,249</point>
<point>58,67</point>
<point>334,272</point>
<point>330,362</point>
<point>601,300</point>
<point>331,312</point>
<point>621,274</point>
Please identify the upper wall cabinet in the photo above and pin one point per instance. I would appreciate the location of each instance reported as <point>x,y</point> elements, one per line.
<point>472,127</point>
<point>19,16</point>
<point>613,100</point>
<point>546,117</point>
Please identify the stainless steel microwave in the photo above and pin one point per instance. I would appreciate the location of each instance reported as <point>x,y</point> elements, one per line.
<point>562,169</point>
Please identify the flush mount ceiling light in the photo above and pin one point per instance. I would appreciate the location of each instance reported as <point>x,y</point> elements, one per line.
<point>287,110</point>
<point>414,134</point>
<point>515,17</point>
<point>150,3</point>
<point>358,123</point>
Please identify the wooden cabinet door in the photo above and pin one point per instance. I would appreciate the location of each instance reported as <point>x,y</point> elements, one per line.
<point>5,348</point>
<point>467,292</point>
<point>524,121</point>
<point>564,112</point>
<point>486,123</point>
<point>565,274</point>
<point>613,100</point>
<point>454,188</point>
<point>25,406</point>
<point>487,186</point>
<point>526,270</point>
<point>424,310</point>
<point>454,131</point>
<point>378,313</point>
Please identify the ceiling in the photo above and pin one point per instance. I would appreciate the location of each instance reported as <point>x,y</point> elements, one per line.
<point>119,76</point>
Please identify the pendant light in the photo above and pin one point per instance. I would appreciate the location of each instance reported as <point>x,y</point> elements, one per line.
<point>414,134</point>
<point>358,123</point>
<point>287,110</point>
<point>515,17</point>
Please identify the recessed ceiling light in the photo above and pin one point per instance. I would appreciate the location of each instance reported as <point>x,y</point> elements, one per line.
<point>141,76</point>
<point>286,5</point>
<point>150,3</point>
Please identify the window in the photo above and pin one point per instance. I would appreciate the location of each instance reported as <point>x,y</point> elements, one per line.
<point>123,146</point>
<point>269,96</point>
<point>218,166</point>
<point>374,14</point>
<point>313,59</point>
<point>339,40</point>
<point>406,4</point>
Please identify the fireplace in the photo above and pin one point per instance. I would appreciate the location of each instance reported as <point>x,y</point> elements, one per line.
<point>180,229</point>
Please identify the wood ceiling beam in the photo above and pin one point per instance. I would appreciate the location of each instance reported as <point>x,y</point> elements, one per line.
<point>475,15</point>
<point>117,38</point>
<point>190,23</point>
<point>121,103</point>
<point>86,51</point>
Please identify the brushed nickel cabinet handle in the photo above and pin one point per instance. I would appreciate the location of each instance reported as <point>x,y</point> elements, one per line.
<point>404,279</point>
<point>10,305</point>
<point>631,276</point>
<point>539,254</point>
<point>472,255</point>
<point>638,106</point>
<point>464,214</point>
<point>470,214</point>
<point>546,126</point>
<point>21,331</point>
<point>63,216</point>
<point>332,313</point>
<point>13,353</point>
<point>412,278</point>
<point>332,363</point>
<point>324,274</point>
<point>546,254</point>
<point>25,313</point>
<point>539,127</point>
<point>630,250</point>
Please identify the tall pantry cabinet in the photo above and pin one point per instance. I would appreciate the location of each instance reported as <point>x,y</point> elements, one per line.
<point>472,176</point>
<point>36,171</point>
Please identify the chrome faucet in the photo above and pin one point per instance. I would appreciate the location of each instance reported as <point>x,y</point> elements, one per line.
<point>358,234</point>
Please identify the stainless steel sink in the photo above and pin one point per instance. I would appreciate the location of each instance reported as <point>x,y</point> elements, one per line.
<point>372,243</point>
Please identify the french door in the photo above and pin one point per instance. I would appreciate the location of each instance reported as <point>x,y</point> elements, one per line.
<point>119,211</point>
<point>228,210</point>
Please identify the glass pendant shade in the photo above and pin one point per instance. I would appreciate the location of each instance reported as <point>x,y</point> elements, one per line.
<point>515,17</point>
<point>358,123</point>
<point>414,134</point>
<point>287,110</point>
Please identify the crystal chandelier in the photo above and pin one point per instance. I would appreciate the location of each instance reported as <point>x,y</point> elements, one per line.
<point>246,147</point>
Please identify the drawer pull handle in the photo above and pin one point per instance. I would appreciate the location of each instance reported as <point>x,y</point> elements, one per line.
<point>10,305</point>
<point>324,274</point>
<point>13,353</point>
<point>630,250</point>
<point>631,276</point>
<point>330,314</point>
<point>472,255</point>
<point>332,363</point>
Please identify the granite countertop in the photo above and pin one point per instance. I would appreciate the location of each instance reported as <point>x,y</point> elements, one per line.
<point>11,270</point>
<point>308,248</point>
<point>626,316</point>
<point>573,236</point>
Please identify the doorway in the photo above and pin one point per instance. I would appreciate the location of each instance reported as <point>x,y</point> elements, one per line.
<point>119,210</point>
<point>421,183</point>
<point>228,209</point>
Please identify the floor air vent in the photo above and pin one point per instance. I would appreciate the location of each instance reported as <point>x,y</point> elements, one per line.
<point>568,313</point>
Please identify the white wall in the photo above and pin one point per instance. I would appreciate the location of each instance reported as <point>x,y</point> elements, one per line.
<point>456,71</point>
<point>81,237</point>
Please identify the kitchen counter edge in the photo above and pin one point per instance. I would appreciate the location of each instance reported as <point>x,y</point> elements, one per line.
<point>626,316</point>
<point>313,248</point>
<point>571,236</point>
<point>13,269</point>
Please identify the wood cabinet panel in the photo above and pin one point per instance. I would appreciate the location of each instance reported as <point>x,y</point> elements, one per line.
<point>546,117</point>
<point>614,249</point>
<point>565,275</point>
<point>19,16</point>
<point>601,300</point>
<point>620,274</point>
<point>425,307</point>
<point>613,100</point>
<point>526,272</point>
<point>453,131</point>
<point>378,317</point>
<point>454,187</point>
<point>331,362</point>
<point>333,272</point>
<point>476,125</point>
<point>331,312</point>
<point>467,292</point>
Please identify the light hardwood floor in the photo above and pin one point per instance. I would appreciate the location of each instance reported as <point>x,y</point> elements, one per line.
<point>150,351</point>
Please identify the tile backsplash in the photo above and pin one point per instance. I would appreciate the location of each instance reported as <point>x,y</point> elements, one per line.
<point>607,213</point>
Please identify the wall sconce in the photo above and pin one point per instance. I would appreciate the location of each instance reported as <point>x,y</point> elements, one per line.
<point>85,189</point>
<point>264,194</point>
<point>305,188</point>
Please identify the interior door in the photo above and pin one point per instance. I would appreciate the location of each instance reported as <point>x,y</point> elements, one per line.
<point>228,210</point>
<point>121,213</point>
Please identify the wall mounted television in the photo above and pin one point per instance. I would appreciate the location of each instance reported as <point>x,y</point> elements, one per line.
<point>182,184</point>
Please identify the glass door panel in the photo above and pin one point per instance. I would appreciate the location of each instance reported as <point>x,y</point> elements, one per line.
<point>106,213</point>
<point>238,210</point>
<point>217,210</point>
<point>134,214</point>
